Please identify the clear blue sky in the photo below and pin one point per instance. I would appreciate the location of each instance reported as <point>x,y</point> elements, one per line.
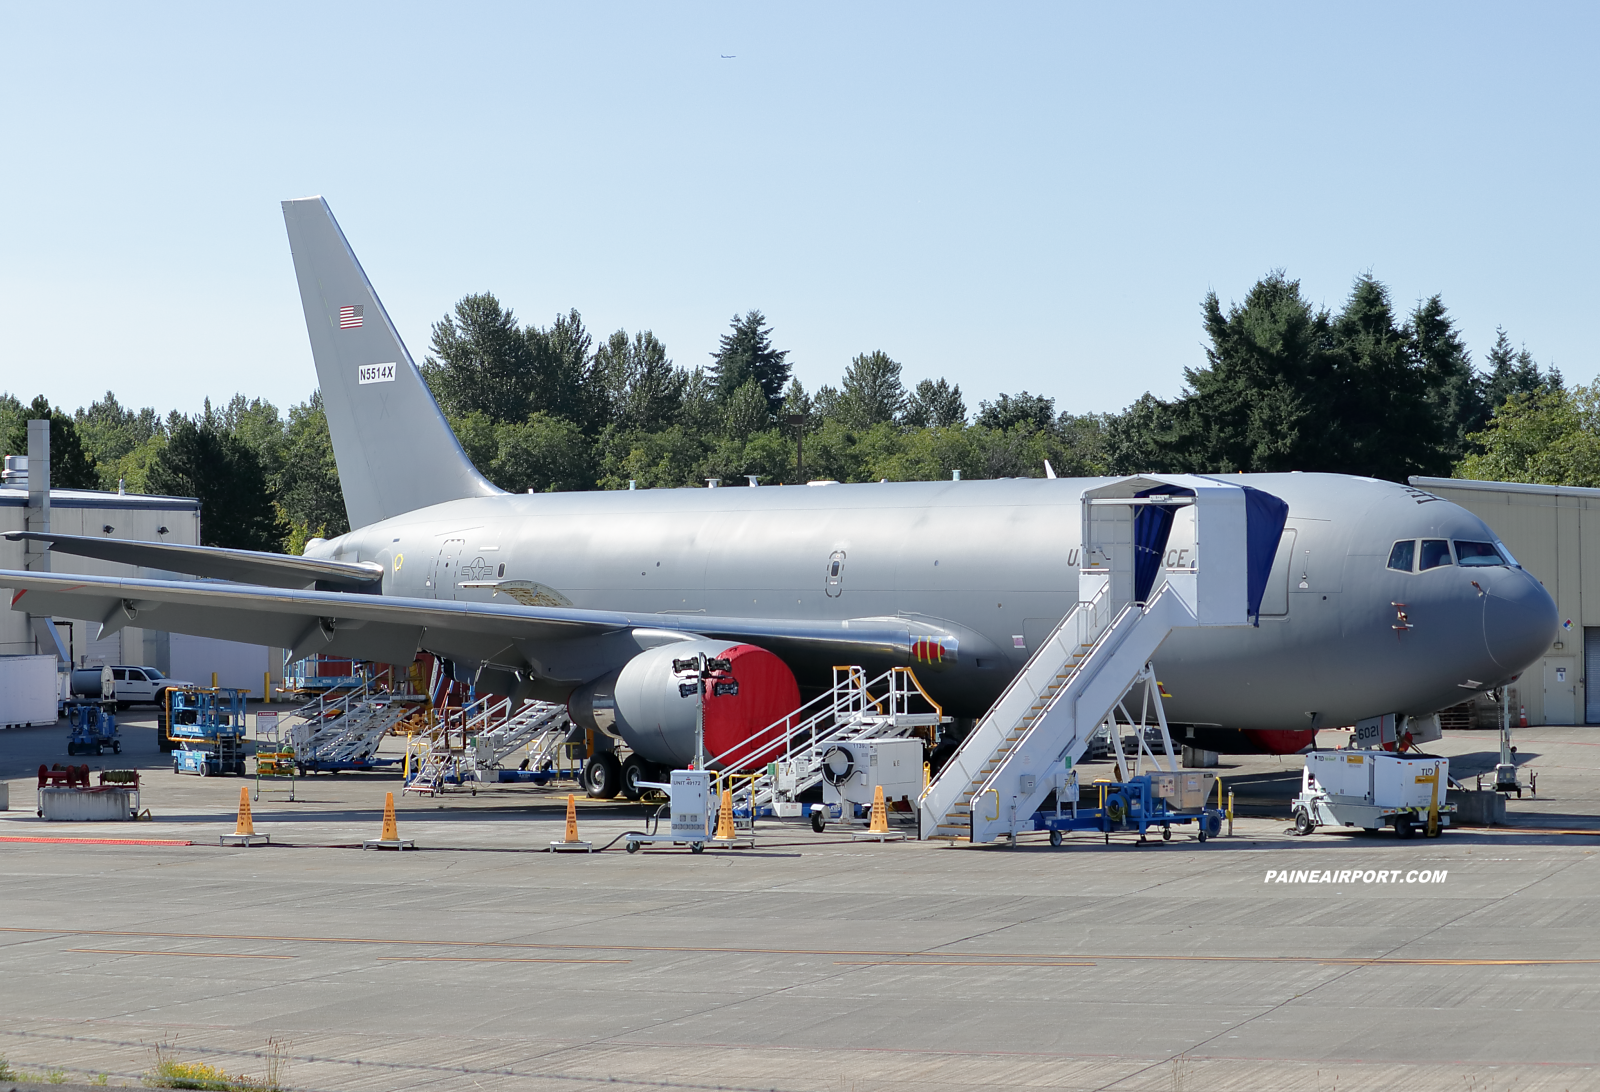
<point>1011,196</point>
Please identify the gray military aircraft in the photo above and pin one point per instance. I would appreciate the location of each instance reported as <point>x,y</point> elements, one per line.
<point>1382,599</point>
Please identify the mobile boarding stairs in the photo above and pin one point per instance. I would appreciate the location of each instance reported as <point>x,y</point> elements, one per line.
<point>1038,729</point>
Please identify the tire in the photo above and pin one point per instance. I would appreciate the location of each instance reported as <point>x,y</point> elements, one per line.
<point>633,847</point>
<point>116,748</point>
<point>818,822</point>
<point>634,771</point>
<point>1203,835</point>
<point>1055,839</point>
<point>1166,834</point>
<point>1302,823</point>
<point>1403,828</point>
<point>603,776</point>
<point>124,706</point>
<point>72,749</point>
<point>697,847</point>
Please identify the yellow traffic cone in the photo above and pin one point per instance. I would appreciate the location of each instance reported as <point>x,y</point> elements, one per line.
<point>880,814</point>
<point>725,831</point>
<point>571,843</point>
<point>390,836</point>
<point>244,831</point>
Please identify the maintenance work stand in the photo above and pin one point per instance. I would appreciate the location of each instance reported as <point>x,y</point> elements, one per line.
<point>208,727</point>
<point>1025,747</point>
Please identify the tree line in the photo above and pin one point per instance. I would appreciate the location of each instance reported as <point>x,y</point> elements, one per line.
<point>1286,385</point>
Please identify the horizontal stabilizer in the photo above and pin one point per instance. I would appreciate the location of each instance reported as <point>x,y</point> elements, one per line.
<point>244,566</point>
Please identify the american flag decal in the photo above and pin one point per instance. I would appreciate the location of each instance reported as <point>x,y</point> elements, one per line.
<point>350,316</point>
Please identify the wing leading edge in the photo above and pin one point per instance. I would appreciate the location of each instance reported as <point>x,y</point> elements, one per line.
<point>244,566</point>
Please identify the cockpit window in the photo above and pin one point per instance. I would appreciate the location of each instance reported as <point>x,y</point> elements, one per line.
<point>1403,555</point>
<point>1477,553</point>
<point>1435,552</point>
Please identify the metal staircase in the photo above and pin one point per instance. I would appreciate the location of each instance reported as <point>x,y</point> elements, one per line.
<point>785,758</point>
<point>1041,724</point>
<point>480,736</point>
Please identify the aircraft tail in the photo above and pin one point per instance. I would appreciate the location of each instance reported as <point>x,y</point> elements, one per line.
<point>393,445</point>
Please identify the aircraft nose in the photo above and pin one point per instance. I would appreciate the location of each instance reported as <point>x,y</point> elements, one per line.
<point>1519,620</point>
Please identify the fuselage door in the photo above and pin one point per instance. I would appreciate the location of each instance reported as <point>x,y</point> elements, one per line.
<point>442,580</point>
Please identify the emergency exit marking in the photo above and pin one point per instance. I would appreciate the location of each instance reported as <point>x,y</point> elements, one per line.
<point>374,373</point>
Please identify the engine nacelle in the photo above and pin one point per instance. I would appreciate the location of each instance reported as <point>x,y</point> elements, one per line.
<point>652,710</point>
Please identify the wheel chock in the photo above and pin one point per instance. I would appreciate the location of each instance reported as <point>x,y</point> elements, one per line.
<point>571,843</point>
<point>389,838</point>
<point>244,831</point>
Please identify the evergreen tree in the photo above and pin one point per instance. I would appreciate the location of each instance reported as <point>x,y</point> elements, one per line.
<point>482,362</point>
<point>641,386</point>
<point>309,497</point>
<point>203,460</point>
<point>1454,394</point>
<point>1513,372</point>
<point>935,405</point>
<point>70,466</point>
<point>745,353</point>
<point>873,392</point>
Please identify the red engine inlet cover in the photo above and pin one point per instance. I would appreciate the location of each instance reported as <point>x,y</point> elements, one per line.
<point>739,710</point>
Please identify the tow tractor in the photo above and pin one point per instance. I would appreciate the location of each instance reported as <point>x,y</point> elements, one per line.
<point>1159,799</point>
<point>207,725</point>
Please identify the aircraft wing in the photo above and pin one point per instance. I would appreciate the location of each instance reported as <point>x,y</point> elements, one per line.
<point>245,566</point>
<point>559,644</point>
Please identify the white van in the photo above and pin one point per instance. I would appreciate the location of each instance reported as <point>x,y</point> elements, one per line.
<point>142,685</point>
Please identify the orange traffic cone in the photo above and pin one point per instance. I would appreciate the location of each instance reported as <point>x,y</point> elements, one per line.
<point>389,838</point>
<point>880,813</point>
<point>244,825</point>
<point>244,831</point>
<point>725,831</point>
<point>571,843</point>
<point>1522,717</point>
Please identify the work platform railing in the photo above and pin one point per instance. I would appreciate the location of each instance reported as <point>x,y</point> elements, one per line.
<point>460,744</point>
<point>785,758</point>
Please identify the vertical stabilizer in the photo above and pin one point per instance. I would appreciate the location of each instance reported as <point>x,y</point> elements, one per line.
<point>395,450</point>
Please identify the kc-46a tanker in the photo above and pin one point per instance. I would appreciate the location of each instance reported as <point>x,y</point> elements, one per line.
<point>1382,598</point>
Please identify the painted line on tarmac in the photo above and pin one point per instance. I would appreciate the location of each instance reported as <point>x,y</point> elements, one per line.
<point>490,959</point>
<point>959,963</point>
<point>198,955</point>
<point>868,954</point>
<point>100,841</point>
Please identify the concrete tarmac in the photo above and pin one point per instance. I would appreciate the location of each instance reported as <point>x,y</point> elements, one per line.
<point>808,963</point>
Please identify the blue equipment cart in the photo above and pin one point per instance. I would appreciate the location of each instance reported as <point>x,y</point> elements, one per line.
<point>1148,800</point>
<point>207,725</point>
<point>94,728</point>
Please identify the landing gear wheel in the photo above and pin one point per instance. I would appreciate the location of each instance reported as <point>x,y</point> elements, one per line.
<point>1166,834</point>
<point>634,771</point>
<point>1055,839</point>
<point>633,847</point>
<point>697,847</point>
<point>817,821</point>
<point>603,776</point>
<point>1302,822</point>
